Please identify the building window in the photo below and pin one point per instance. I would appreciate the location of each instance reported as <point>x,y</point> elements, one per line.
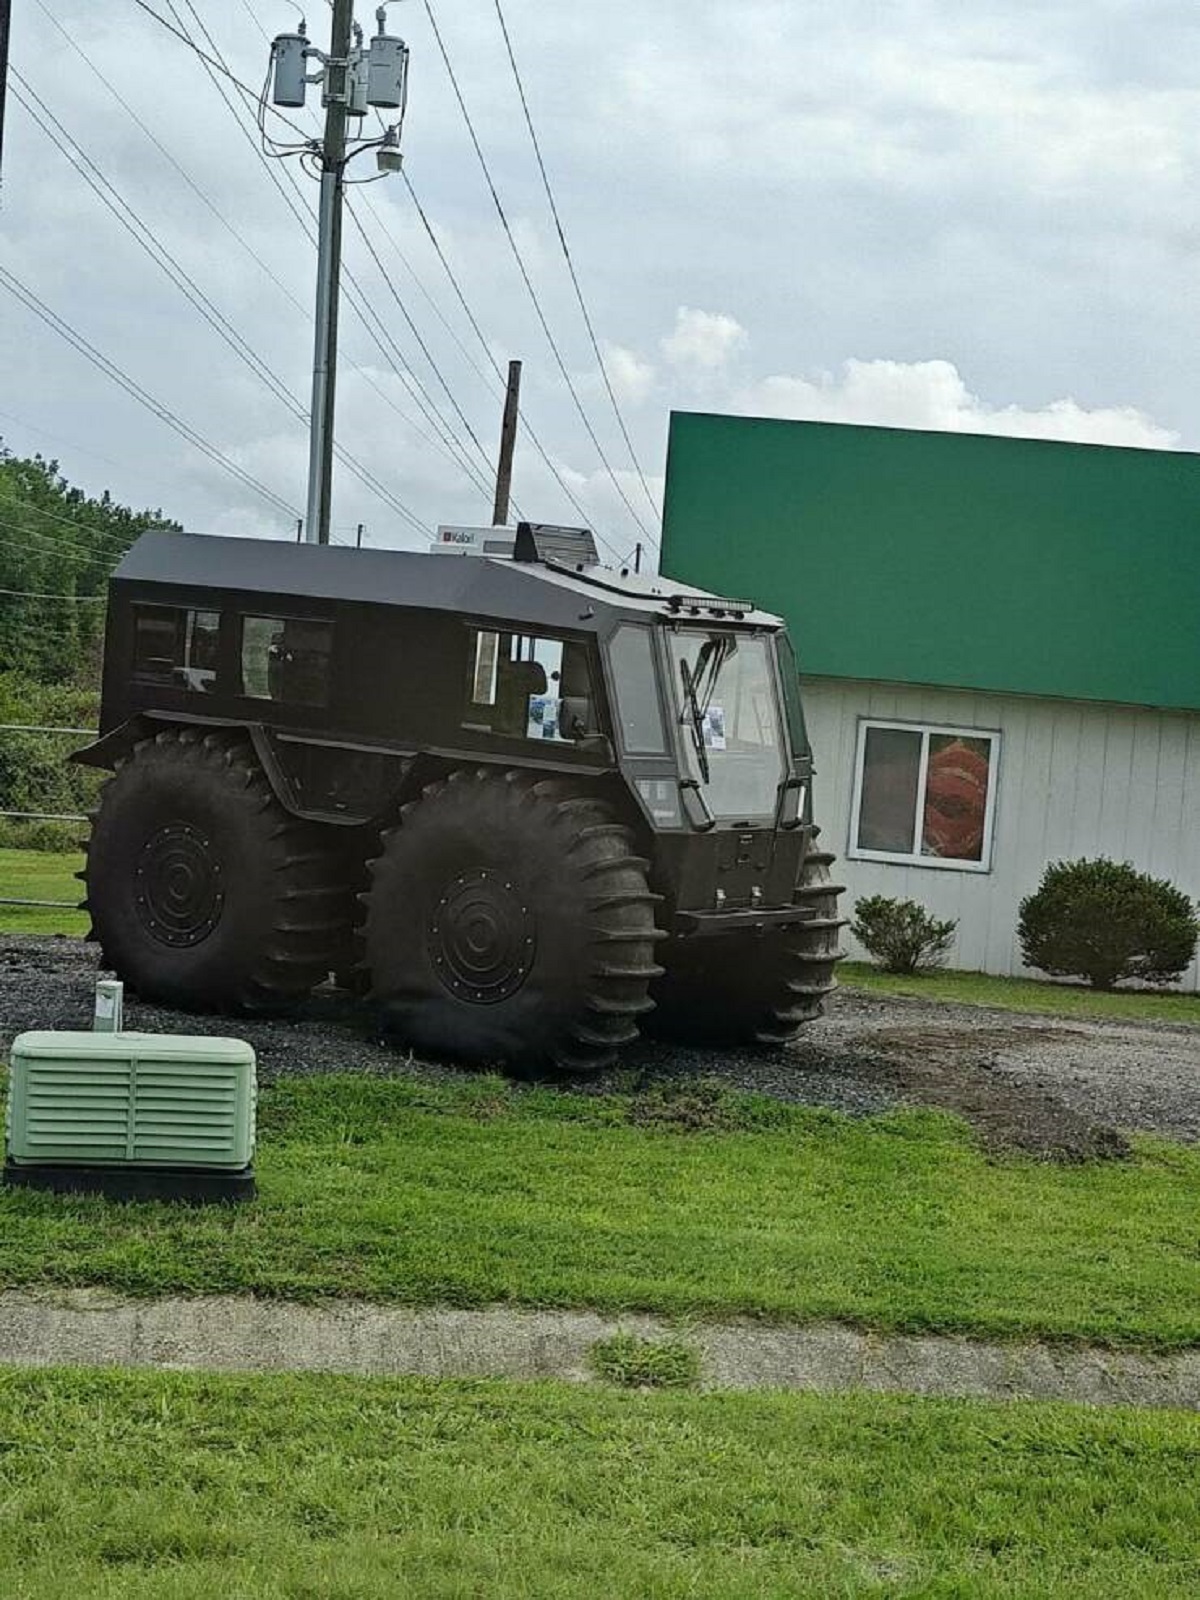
<point>925,796</point>
<point>176,647</point>
<point>286,659</point>
<point>529,688</point>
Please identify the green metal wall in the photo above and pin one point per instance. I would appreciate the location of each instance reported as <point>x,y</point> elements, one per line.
<point>949,559</point>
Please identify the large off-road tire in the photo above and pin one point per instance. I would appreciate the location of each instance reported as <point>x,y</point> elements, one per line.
<point>752,989</point>
<point>510,923</point>
<point>204,892</point>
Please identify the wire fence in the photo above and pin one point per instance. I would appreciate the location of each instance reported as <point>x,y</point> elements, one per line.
<point>7,728</point>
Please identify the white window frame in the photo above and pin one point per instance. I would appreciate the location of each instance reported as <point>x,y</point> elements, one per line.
<point>927,730</point>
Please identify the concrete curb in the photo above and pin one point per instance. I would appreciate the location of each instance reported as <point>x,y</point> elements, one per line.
<point>86,1327</point>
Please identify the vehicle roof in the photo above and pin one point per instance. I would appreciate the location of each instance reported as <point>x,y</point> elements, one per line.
<point>588,598</point>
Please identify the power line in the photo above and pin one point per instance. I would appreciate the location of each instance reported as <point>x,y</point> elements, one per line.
<point>167,156</point>
<point>407,377</point>
<point>562,239</point>
<point>56,542</point>
<point>487,350</point>
<point>528,281</point>
<point>358,300</point>
<point>425,351</point>
<point>71,444</point>
<point>217,65</point>
<point>143,236</point>
<point>74,599</point>
<point>59,325</point>
<point>298,205</point>
<point>496,389</point>
<point>69,522</point>
<point>253,15</point>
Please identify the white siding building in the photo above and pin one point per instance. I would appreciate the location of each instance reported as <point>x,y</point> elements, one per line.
<point>999,641</point>
<point>1064,779</point>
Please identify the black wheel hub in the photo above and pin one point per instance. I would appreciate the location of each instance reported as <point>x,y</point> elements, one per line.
<point>482,936</point>
<point>180,894</point>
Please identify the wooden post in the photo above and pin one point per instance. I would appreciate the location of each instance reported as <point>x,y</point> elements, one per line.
<point>5,19</point>
<point>508,442</point>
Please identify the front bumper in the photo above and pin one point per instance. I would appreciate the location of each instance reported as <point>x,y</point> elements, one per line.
<point>755,920</point>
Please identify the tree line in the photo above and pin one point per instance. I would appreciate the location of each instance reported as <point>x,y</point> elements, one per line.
<point>58,546</point>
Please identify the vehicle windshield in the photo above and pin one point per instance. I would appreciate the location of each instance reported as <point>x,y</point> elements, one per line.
<point>727,706</point>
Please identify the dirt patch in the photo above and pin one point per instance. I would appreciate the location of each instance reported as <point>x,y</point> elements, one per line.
<point>1009,1118</point>
<point>953,1069</point>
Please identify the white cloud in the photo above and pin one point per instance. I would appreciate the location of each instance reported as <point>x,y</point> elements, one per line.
<point>704,339</point>
<point>632,378</point>
<point>932,394</point>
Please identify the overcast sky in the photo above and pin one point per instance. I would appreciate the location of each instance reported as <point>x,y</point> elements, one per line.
<point>977,216</point>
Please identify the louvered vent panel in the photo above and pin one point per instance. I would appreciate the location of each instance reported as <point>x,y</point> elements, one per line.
<point>76,1114</point>
<point>186,1116</point>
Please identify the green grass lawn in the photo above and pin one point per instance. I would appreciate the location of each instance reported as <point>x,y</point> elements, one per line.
<point>37,875</point>
<point>400,1191</point>
<point>139,1486</point>
<point>1027,994</point>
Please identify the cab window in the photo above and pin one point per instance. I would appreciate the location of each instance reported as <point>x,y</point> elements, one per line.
<point>528,687</point>
<point>286,659</point>
<point>176,647</point>
<point>636,684</point>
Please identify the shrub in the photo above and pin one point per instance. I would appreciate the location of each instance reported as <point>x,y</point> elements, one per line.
<point>900,934</point>
<point>1104,921</point>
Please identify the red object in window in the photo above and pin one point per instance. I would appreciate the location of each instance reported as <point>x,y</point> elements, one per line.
<point>956,801</point>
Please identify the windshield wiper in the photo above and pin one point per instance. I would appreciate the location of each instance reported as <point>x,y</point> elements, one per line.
<point>696,717</point>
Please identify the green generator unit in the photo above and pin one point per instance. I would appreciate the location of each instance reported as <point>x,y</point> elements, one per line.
<point>132,1116</point>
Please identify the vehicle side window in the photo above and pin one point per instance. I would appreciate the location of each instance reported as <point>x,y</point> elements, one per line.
<point>286,659</point>
<point>176,647</point>
<point>526,687</point>
<point>636,683</point>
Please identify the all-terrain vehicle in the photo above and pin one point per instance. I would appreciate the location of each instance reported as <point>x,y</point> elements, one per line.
<point>535,801</point>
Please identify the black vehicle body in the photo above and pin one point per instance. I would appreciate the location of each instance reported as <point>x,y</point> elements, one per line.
<point>345,688</point>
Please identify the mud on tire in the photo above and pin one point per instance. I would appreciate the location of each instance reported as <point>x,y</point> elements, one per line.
<point>755,990</point>
<point>509,922</point>
<point>204,893</point>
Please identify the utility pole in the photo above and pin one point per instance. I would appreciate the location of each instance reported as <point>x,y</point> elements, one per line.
<point>329,272</point>
<point>5,22</point>
<point>508,442</point>
<point>353,78</point>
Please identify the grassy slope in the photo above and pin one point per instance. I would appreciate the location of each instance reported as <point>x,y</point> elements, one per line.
<point>400,1191</point>
<point>34,875</point>
<point>172,1487</point>
<point>1028,994</point>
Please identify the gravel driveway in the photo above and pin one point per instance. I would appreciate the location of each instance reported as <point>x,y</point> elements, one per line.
<point>1059,1089</point>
